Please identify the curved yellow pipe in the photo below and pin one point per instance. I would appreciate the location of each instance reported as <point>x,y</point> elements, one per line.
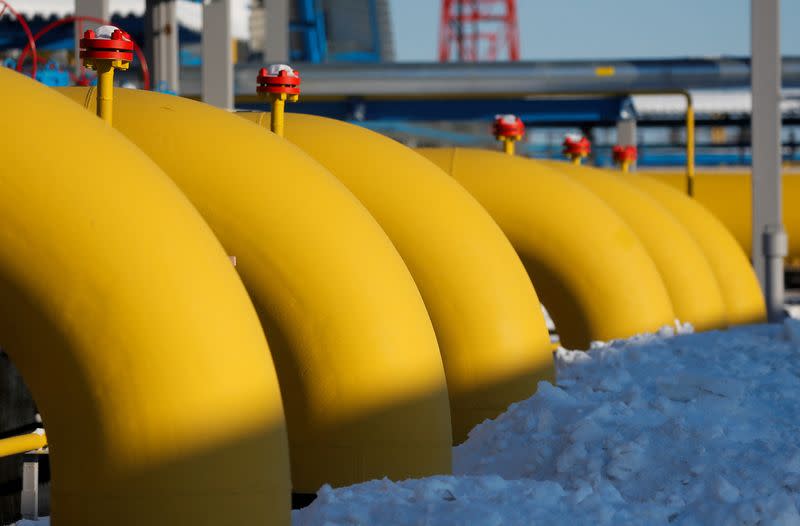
<point>728,195</point>
<point>494,342</point>
<point>359,367</point>
<point>590,270</point>
<point>693,289</point>
<point>132,330</point>
<point>738,282</point>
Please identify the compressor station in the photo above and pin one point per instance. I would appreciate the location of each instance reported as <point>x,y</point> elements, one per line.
<point>213,302</point>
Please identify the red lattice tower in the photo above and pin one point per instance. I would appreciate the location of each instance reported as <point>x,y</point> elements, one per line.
<point>478,30</point>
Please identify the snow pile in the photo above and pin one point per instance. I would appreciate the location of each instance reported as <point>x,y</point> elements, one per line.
<point>683,429</point>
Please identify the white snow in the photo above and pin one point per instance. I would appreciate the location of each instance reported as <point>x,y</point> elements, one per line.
<point>688,429</point>
<point>673,428</point>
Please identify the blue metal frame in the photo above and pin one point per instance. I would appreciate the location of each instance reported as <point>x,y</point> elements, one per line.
<point>364,57</point>
<point>598,111</point>
<point>311,24</point>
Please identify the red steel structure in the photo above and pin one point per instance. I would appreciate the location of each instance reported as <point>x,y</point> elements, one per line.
<point>478,30</point>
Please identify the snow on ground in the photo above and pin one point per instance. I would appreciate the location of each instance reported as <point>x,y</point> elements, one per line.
<point>684,429</point>
<point>689,429</point>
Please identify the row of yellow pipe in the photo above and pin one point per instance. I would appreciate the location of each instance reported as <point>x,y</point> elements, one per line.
<point>399,303</point>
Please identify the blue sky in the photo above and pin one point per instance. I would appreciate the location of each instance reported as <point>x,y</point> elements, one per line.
<point>570,29</point>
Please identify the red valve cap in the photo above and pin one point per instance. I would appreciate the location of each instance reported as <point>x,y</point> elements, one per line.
<point>279,78</point>
<point>627,153</point>
<point>576,146</point>
<point>508,126</point>
<point>108,43</point>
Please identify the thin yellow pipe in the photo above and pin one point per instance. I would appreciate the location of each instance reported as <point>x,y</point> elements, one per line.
<point>626,166</point>
<point>22,444</point>
<point>508,146</point>
<point>576,160</point>
<point>105,90</point>
<point>690,168</point>
<point>276,119</point>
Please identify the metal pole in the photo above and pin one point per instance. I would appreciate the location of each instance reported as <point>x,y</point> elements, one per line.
<point>276,41</point>
<point>690,164</point>
<point>161,42</point>
<point>769,237</point>
<point>217,69</point>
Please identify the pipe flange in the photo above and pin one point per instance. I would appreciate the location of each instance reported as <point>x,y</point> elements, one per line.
<point>108,43</point>
<point>508,127</point>
<point>624,153</point>
<point>279,79</point>
<point>576,146</point>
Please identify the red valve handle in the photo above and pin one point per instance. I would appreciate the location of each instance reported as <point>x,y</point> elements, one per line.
<point>118,47</point>
<point>626,153</point>
<point>576,147</point>
<point>508,126</point>
<point>283,82</point>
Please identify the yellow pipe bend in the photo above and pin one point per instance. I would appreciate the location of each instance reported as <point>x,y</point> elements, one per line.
<point>132,330</point>
<point>492,336</point>
<point>359,367</point>
<point>693,289</point>
<point>588,267</point>
<point>735,275</point>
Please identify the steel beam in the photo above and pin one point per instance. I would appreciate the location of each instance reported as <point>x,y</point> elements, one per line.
<point>217,75</point>
<point>161,43</point>
<point>769,237</point>
<point>276,39</point>
<point>519,79</point>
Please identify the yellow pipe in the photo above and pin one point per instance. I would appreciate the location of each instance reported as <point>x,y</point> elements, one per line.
<point>740,288</point>
<point>362,380</point>
<point>132,330</point>
<point>689,146</point>
<point>494,342</point>
<point>22,444</point>
<point>278,101</point>
<point>576,160</point>
<point>105,90</point>
<point>626,167</point>
<point>589,269</point>
<point>692,286</point>
<point>508,146</point>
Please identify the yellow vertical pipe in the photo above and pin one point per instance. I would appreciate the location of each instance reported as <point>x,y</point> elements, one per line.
<point>276,119</point>
<point>508,146</point>
<point>689,145</point>
<point>626,166</point>
<point>576,160</point>
<point>105,90</point>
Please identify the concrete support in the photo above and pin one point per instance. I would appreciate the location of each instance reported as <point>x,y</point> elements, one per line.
<point>769,237</point>
<point>30,486</point>
<point>98,8</point>
<point>217,69</point>
<point>626,135</point>
<point>161,43</point>
<point>276,41</point>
